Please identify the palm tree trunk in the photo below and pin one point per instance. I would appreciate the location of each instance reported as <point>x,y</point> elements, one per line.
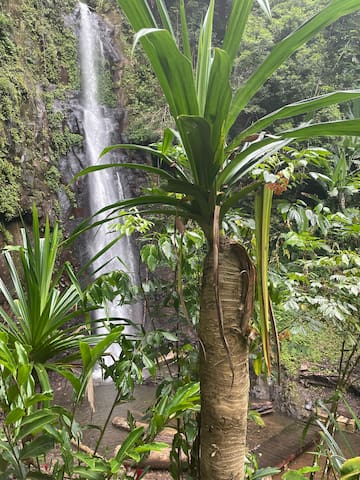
<point>224,375</point>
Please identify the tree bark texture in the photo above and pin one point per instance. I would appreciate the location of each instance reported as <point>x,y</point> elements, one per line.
<point>224,382</point>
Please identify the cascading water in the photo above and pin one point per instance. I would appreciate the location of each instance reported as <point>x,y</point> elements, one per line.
<point>105,186</point>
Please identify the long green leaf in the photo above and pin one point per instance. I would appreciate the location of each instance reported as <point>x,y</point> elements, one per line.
<point>146,168</point>
<point>196,136</point>
<point>184,31</point>
<point>295,109</point>
<point>37,447</point>
<point>139,14</point>
<point>248,158</point>
<point>128,444</point>
<point>336,9</point>
<point>204,57</point>
<point>164,15</point>
<point>34,422</point>
<point>325,129</point>
<point>172,69</point>
<point>235,28</point>
<point>218,101</point>
<point>263,202</point>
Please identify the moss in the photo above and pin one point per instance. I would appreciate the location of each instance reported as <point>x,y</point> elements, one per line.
<point>9,190</point>
<point>7,237</point>
<point>38,65</point>
<point>106,87</point>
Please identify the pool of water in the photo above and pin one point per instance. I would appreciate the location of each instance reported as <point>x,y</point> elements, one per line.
<point>144,395</point>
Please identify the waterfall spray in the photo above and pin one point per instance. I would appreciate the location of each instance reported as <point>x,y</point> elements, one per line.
<point>105,186</point>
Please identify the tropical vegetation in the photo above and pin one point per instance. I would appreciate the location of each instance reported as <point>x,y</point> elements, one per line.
<point>205,176</point>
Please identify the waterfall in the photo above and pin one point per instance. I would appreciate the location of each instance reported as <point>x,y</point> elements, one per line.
<point>105,186</point>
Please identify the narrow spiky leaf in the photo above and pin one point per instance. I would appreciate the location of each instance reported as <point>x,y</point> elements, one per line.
<point>248,158</point>
<point>184,31</point>
<point>325,129</point>
<point>164,15</point>
<point>265,6</point>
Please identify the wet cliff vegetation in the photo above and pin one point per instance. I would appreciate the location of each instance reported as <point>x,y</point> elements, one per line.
<point>39,68</point>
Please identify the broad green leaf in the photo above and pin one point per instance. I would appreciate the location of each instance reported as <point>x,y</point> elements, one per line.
<point>257,365</point>
<point>87,474</point>
<point>38,397</point>
<point>173,70</point>
<point>204,57</point>
<point>85,352</point>
<point>218,101</point>
<point>148,447</point>
<point>293,475</point>
<point>196,136</point>
<point>265,472</point>
<point>33,423</point>
<point>128,444</point>
<point>283,50</point>
<point>168,138</point>
<point>14,415</point>
<point>350,469</point>
<point>37,447</point>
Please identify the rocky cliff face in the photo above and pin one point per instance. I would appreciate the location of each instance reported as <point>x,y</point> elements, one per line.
<point>41,117</point>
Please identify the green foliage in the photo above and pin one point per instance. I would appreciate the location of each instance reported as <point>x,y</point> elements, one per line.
<point>213,176</point>
<point>181,253</point>
<point>39,316</point>
<point>254,472</point>
<point>37,334</point>
<point>350,468</point>
<point>34,425</point>
<point>309,71</point>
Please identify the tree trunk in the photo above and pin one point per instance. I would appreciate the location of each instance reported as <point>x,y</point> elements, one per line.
<point>224,375</point>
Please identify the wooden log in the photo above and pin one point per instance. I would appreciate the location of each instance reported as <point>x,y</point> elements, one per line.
<point>166,435</point>
<point>156,460</point>
<point>263,408</point>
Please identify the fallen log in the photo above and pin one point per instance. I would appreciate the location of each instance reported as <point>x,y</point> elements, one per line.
<point>156,460</point>
<point>166,435</point>
<point>263,408</point>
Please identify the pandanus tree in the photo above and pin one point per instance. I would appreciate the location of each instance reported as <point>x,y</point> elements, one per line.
<point>206,182</point>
